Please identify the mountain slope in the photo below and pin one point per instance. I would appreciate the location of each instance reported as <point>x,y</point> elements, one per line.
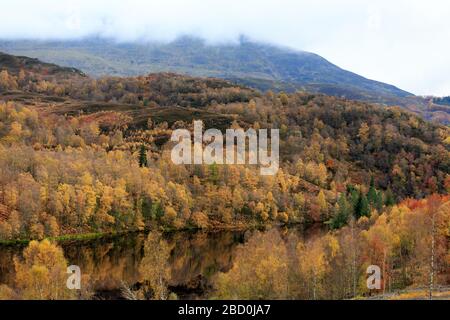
<point>14,64</point>
<point>260,65</point>
<point>85,139</point>
<point>425,107</point>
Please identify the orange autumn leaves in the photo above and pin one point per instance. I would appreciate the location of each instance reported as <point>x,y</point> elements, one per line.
<point>333,265</point>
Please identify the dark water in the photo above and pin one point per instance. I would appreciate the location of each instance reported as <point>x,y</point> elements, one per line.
<point>194,261</point>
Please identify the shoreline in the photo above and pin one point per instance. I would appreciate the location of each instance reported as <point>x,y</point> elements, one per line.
<point>79,237</point>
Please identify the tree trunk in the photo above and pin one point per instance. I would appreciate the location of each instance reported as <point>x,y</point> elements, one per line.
<point>314,286</point>
<point>353,257</point>
<point>432,256</point>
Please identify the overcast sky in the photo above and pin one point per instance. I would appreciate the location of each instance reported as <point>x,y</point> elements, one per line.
<point>402,42</point>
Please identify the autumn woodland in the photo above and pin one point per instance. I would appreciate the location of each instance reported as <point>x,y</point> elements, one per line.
<point>82,158</point>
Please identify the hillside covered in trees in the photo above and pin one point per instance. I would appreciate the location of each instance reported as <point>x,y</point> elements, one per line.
<point>80,155</point>
<point>442,101</point>
<point>243,61</point>
<point>257,65</point>
<point>73,149</point>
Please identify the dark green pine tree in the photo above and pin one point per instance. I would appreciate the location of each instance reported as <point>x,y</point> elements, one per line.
<point>350,188</point>
<point>342,214</point>
<point>214,173</point>
<point>143,156</point>
<point>379,201</point>
<point>365,208</point>
<point>362,207</point>
<point>156,210</point>
<point>354,199</point>
<point>372,194</point>
<point>389,199</point>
